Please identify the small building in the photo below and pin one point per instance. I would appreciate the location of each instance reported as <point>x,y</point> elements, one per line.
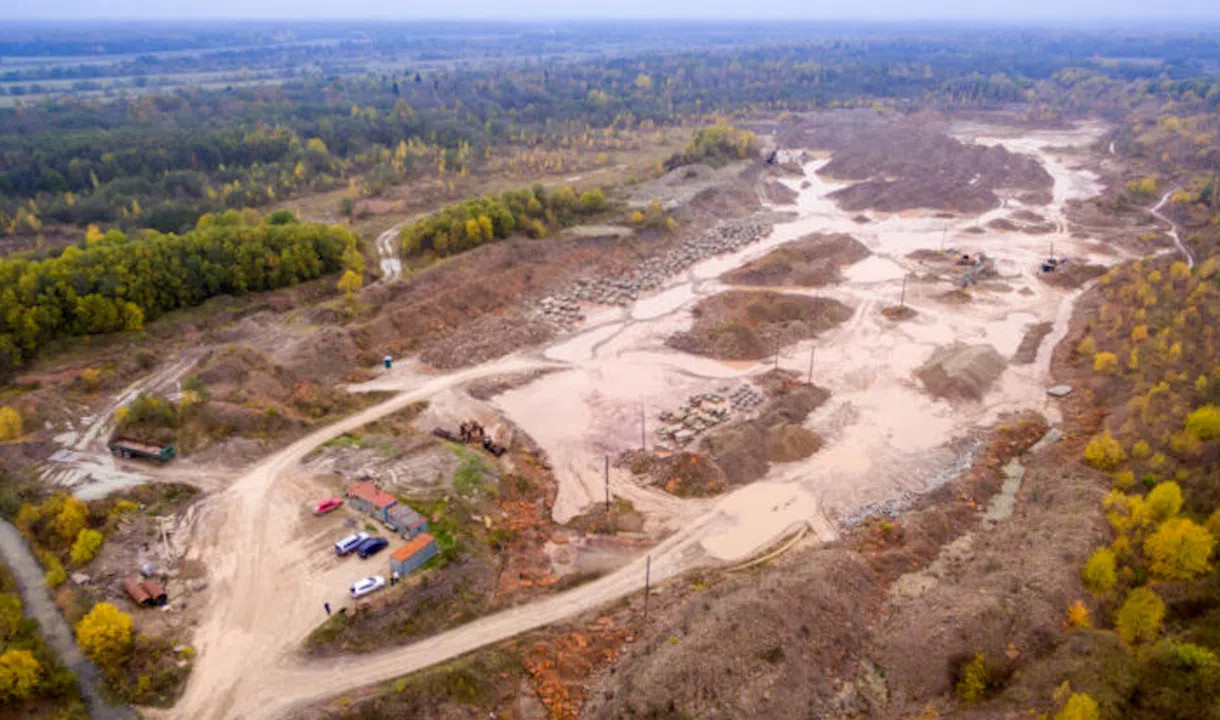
<point>417,551</point>
<point>365,496</point>
<point>406,521</point>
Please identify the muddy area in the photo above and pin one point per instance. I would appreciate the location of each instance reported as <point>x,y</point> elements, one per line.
<point>750,325</point>
<point>811,261</point>
<point>1031,341</point>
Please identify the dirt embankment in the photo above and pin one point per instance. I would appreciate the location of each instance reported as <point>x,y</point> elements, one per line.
<point>751,324</point>
<point>912,164</point>
<point>811,261</point>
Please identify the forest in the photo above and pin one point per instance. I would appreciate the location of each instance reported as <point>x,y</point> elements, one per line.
<point>162,160</point>
<point>118,281</point>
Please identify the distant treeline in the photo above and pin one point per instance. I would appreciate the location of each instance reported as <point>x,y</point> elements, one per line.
<point>116,282</point>
<point>162,160</point>
<point>469,224</point>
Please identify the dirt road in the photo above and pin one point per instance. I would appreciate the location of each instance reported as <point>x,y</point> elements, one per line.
<point>387,253</point>
<point>1173,228</point>
<point>885,438</point>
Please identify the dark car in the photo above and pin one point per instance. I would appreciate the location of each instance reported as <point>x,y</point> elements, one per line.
<point>372,546</point>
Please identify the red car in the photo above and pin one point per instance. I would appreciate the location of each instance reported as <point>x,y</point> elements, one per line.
<point>327,505</point>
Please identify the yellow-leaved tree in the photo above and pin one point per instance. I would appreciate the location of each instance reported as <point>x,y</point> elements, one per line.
<point>1079,707</point>
<point>72,518</point>
<point>1104,452</point>
<point>88,542</point>
<point>19,673</point>
<point>1179,550</point>
<point>1099,574</point>
<point>10,424</point>
<point>1139,619</point>
<point>104,633</point>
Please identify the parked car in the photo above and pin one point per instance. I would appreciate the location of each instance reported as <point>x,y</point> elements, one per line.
<point>364,586</point>
<point>324,506</point>
<point>371,546</point>
<point>350,543</point>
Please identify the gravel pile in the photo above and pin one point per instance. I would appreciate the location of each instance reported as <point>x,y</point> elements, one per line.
<point>563,309</point>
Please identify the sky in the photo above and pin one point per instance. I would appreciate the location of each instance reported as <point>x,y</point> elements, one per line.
<point>1028,10</point>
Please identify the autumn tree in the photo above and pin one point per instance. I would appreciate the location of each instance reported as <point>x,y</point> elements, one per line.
<point>1099,574</point>
<point>1164,501</point>
<point>88,542</point>
<point>1179,550</point>
<point>104,633</point>
<point>1139,619</point>
<point>1104,452</point>
<point>972,685</point>
<point>10,424</point>
<point>1079,707</point>
<point>72,518</point>
<point>11,614</point>
<point>1204,422</point>
<point>19,673</point>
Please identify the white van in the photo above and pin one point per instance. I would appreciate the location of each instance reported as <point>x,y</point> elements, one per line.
<point>349,543</point>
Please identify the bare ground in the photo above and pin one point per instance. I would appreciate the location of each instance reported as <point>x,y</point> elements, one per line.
<point>811,261</point>
<point>751,324</point>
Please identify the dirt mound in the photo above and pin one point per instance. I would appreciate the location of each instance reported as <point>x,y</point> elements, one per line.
<point>1003,225</point>
<point>763,646</point>
<point>485,339</point>
<point>1072,275</point>
<point>954,297</point>
<point>687,474</point>
<point>777,193</point>
<point>961,371</point>
<point>811,261</point>
<point>1027,351</point>
<point>907,166</point>
<point>323,356</point>
<point>786,442</point>
<point>750,324</point>
<point>898,313</point>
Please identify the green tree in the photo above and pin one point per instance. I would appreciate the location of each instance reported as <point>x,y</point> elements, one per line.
<point>104,634</point>
<point>1179,550</point>
<point>1099,574</point>
<point>19,673</point>
<point>1139,619</point>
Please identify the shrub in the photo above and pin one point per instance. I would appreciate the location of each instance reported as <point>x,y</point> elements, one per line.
<point>1098,574</point>
<point>19,673</point>
<point>972,686</point>
<point>1179,549</point>
<point>1105,362</point>
<point>1104,452</point>
<point>104,633</point>
<point>71,519</point>
<point>11,614</point>
<point>1079,707</point>
<point>1078,615</point>
<point>1087,346</point>
<point>55,575</point>
<point>1140,449</point>
<point>88,542</point>
<point>1204,422</point>
<point>1139,619</point>
<point>10,424</point>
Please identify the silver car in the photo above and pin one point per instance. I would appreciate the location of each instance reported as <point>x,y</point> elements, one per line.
<point>350,543</point>
<point>363,587</point>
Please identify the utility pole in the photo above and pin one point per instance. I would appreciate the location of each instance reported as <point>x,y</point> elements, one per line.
<point>943,233</point>
<point>643,436</point>
<point>647,578</point>
<point>812,348</point>
<point>777,353</point>
<point>607,485</point>
<point>902,301</point>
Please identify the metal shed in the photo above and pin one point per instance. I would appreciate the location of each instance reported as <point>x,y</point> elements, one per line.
<point>417,551</point>
<point>366,497</point>
<point>406,521</point>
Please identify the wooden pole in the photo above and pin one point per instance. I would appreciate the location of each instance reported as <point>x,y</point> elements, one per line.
<point>647,580</point>
<point>777,354</point>
<point>643,436</point>
<point>607,485</point>
<point>811,350</point>
<point>902,301</point>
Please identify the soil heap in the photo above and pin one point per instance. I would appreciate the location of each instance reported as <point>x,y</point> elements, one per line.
<point>960,371</point>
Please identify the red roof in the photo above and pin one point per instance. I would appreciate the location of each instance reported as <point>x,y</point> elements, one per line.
<point>368,491</point>
<point>414,545</point>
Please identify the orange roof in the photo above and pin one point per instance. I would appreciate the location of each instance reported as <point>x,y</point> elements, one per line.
<point>368,491</point>
<point>414,545</point>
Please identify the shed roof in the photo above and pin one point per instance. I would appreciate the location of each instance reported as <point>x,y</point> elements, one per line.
<point>412,546</point>
<point>368,491</point>
<point>405,514</point>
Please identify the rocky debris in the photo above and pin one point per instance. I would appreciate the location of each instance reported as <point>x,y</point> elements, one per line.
<point>563,309</point>
<point>704,411</point>
<point>1002,504</point>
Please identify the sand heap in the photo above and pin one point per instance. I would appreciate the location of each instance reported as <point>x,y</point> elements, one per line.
<point>960,371</point>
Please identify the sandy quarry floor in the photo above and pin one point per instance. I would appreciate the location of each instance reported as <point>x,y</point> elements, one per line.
<point>270,570</point>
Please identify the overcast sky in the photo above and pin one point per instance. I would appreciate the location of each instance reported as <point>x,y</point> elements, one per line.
<point>1030,10</point>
